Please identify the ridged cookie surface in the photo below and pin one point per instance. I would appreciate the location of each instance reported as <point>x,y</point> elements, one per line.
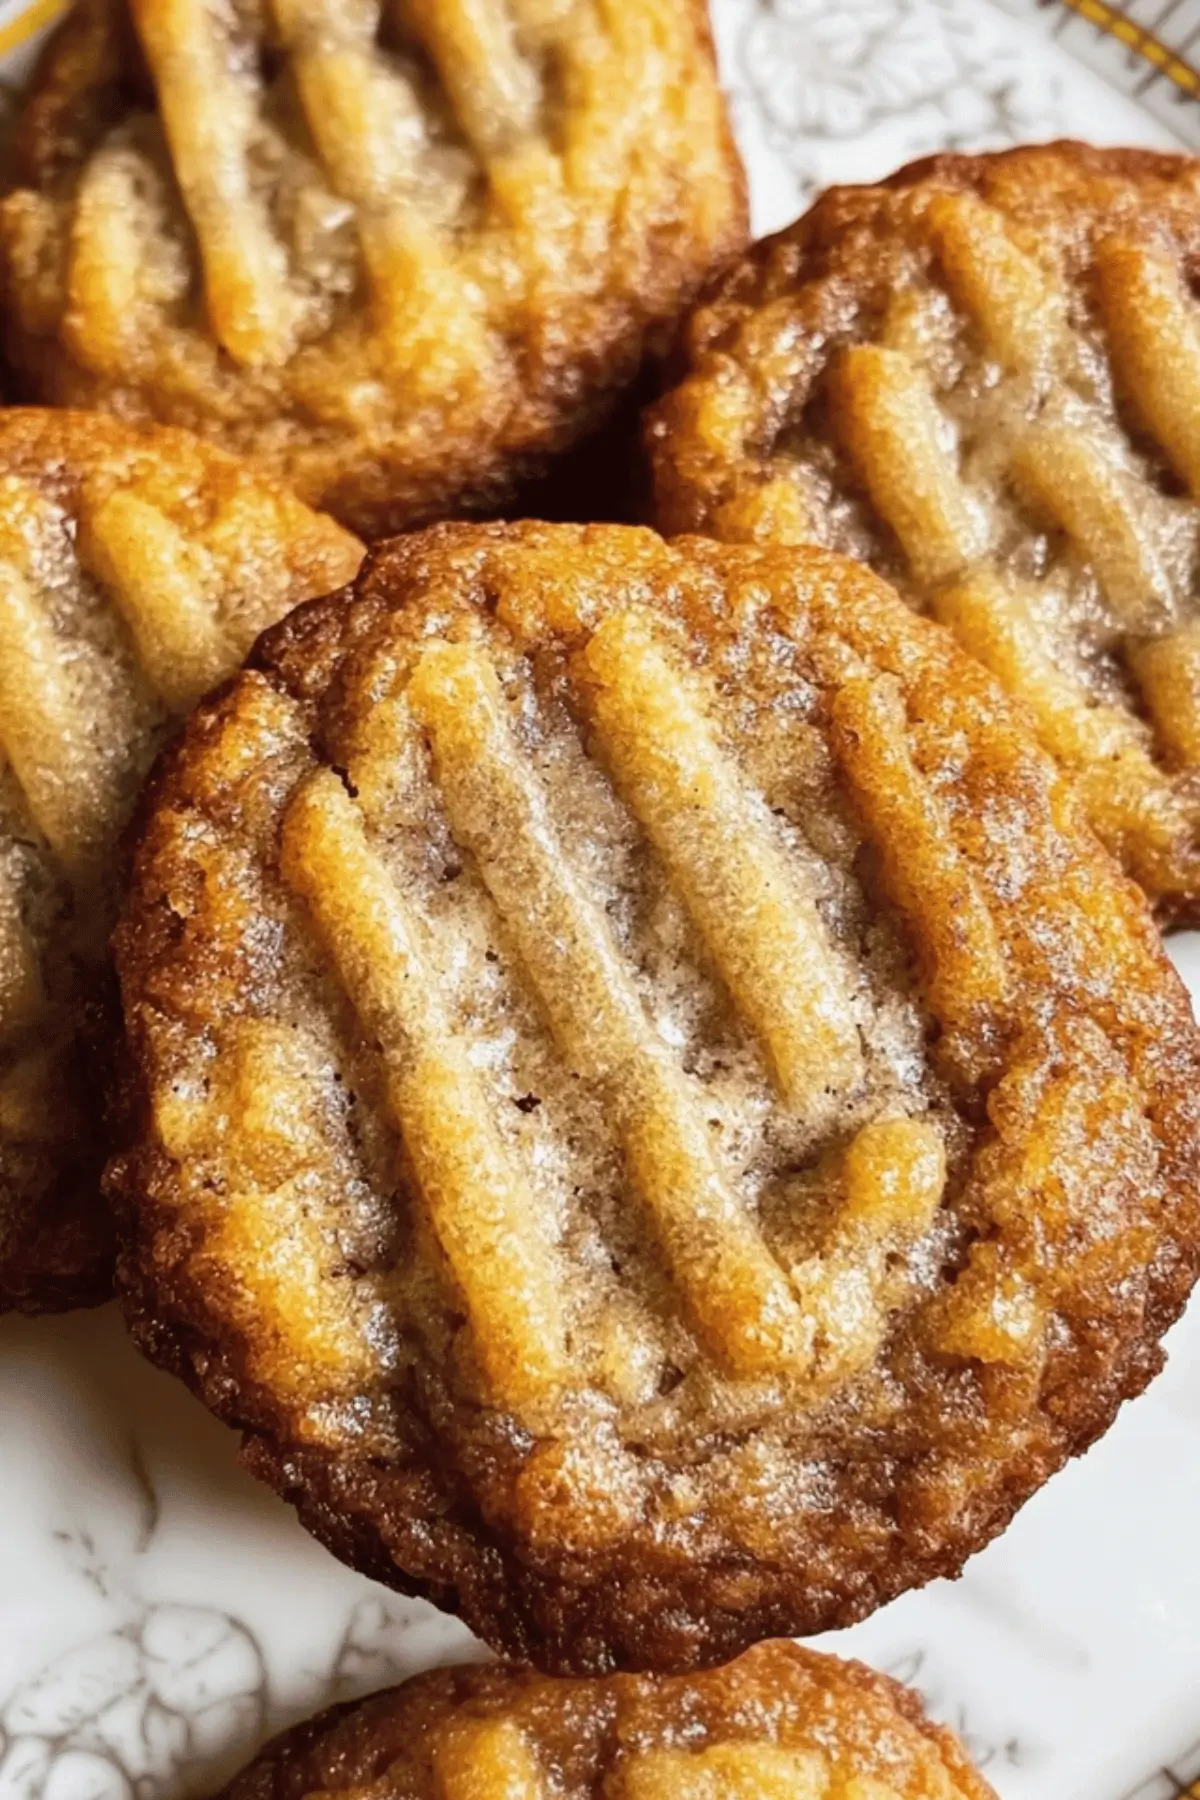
<point>655,1115</point>
<point>983,378</point>
<point>401,250</point>
<point>781,1723</point>
<point>136,568</point>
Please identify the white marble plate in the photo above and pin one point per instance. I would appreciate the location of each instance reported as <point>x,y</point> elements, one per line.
<point>160,1613</point>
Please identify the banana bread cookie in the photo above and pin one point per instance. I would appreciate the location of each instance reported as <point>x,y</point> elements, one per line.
<point>403,251</point>
<point>653,1113</point>
<point>983,378</point>
<point>136,568</point>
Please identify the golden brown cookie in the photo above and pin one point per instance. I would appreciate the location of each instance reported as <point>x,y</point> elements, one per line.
<point>136,568</point>
<point>983,378</point>
<point>780,1723</point>
<point>654,1115</point>
<point>402,250</point>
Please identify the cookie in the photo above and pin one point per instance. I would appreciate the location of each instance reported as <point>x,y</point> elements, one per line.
<point>136,568</point>
<point>781,1723</point>
<point>403,252</point>
<point>653,1113</point>
<point>983,377</point>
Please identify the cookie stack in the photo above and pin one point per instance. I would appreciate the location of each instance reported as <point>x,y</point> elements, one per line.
<point>638,1071</point>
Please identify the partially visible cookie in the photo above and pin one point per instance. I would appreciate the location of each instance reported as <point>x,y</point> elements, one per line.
<point>404,251</point>
<point>651,1109</point>
<point>983,377</point>
<point>780,1723</point>
<point>136,568</point>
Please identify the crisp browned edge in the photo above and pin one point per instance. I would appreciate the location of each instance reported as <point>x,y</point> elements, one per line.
<point>834,207</point>
<point>285,1766</point>
<point>856,196</point>
<point>848,202</point>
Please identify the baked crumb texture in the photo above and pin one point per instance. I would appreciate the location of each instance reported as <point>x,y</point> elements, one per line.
<point>983,378</point>
<point>655,1116</point>
<point>136,569</point>
<point>781,1723</point>
<point>402,252</point>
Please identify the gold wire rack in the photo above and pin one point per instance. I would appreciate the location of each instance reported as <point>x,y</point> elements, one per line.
<point>1160,38</point>
<point>1177,1780</point>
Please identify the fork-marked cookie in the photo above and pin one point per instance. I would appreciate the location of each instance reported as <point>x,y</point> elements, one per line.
<point>983,377</point>
<point>653,1112</point>
<point>136,568</point>
<point>403,251</point>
